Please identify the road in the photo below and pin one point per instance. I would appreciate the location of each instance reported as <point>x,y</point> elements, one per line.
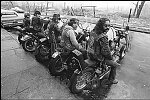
<point>28,79</point>
<point>22,77</point>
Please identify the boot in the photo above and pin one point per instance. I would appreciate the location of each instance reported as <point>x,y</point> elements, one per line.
<point>112,75</point>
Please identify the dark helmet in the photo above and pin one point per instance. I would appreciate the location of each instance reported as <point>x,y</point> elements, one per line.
<point>73,21</point>
<point>37,12</point>
<point>56,16</point>
<point>27,15</point>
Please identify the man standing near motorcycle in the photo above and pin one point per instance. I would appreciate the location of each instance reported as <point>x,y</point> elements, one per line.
<point>101,47</point>
<point>26,26</point>
<point>54,29</point>
<point>70,42</point>
<point>55,26</point>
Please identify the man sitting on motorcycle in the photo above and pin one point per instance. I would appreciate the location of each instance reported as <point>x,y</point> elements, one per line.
<point>70,42</point>
<point>101,49</point>
<point>26,22</point>
<point>37,24</point>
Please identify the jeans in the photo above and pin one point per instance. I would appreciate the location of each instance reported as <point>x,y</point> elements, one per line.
<point>114,66</point>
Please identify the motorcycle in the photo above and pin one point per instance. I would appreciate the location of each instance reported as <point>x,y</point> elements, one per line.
<point>31,40</point>
<point>64,61</point>
<point>94,76</point>
<point>45,49</point>
<point>123,41</point>
<point>120,44</point>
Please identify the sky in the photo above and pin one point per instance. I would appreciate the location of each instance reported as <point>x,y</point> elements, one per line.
<point>98,4</point>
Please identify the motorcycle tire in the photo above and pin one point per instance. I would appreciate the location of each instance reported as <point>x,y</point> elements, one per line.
<point>122,52</point>
<point>56,63</point>
<point>25,45</point>
<point>77,88</point>
<point>42,53</point>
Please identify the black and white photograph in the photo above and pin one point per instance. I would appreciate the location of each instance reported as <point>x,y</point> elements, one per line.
<point>75,50</point>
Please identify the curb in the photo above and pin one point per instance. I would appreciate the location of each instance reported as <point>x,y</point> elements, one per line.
<point>11,35</point>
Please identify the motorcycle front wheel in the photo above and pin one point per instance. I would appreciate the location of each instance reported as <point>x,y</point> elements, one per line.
<point>19,38</point>
<point>29,45</point>
<point>55,66</point>
<point>122,52</point>
<point>80,81</point>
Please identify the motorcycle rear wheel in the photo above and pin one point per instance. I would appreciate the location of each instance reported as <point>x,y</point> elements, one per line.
<point>80,81</point>
<point>42,53</point>
<point>56,66</point>
<point>19,38</point>
<point>122,52</point>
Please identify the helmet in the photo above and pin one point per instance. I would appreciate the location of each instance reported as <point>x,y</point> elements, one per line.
<point>27,15</point>
<point>37,12</point>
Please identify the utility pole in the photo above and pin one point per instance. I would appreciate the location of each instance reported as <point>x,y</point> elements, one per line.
<point>140,9</point>
<point>94,11</point>
<point>46,7</point>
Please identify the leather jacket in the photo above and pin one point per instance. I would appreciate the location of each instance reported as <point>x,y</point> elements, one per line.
<point>100,47</point>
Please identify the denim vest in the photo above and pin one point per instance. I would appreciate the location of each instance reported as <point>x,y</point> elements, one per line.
<point>94,46</point>
<point>66,39</point>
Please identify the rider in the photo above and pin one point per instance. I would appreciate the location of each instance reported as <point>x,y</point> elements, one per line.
<point>26,21</point>
<point>55,25</point>
<point>37,23</point>
<point>101,49</point>
<point>70,43</point>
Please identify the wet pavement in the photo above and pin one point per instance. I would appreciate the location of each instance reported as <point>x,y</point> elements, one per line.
<point>133,76</point>
<point>22,77</point>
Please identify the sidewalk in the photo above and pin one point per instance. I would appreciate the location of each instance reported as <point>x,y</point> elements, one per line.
<point>22,77</point>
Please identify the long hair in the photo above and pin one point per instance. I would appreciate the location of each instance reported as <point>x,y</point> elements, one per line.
<point>73,21</point>
<point>99,25</point>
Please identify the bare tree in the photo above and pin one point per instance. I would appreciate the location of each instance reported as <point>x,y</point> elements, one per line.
<point>136,8</point>
<point>12,4</point>
<point>46,7</point>
<point>28,6</point>
<point>140,9</point>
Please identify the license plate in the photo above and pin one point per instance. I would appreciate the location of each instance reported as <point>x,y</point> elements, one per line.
<point>55,54</point>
